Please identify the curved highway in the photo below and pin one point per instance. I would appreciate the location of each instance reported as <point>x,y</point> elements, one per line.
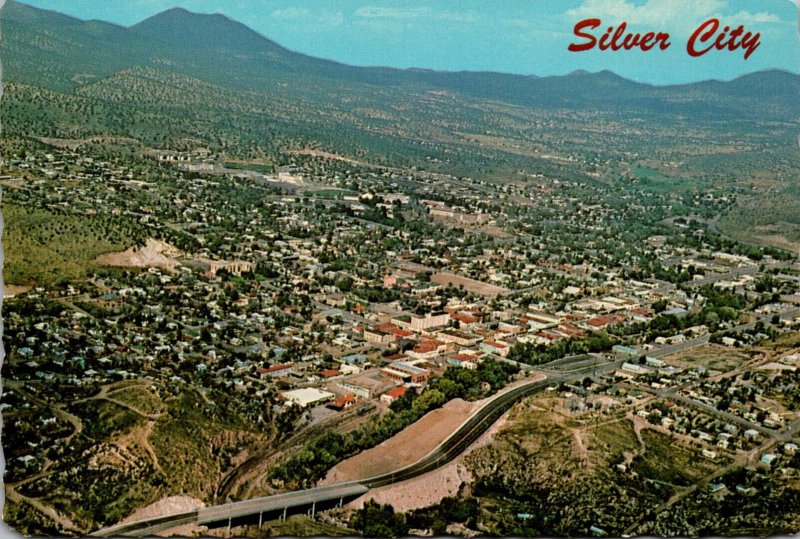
<point>462,438</point>
<point>449,449</point>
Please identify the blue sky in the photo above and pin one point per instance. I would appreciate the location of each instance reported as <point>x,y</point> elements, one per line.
<point>513,36</point>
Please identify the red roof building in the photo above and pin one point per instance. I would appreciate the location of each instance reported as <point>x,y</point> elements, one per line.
<point>390,396</point>
<point>464,319</point>
<point>275,370</point>
<point>343,402</point>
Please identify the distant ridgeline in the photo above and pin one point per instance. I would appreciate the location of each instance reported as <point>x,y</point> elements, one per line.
<point>178,75</point>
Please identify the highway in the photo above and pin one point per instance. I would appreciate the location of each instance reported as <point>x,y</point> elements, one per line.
<point>449,449</point>
<point>563,370</point>
<point>150,526</point>
<point>280,502</point>
<point>462,438</point>
<point>481,420</point>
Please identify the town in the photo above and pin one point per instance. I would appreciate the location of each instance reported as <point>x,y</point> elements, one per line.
<point>511,291</point>
<point>236,283</point>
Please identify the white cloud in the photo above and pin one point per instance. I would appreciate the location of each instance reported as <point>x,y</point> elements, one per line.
<point>651,13</point>
<point>745,17</point>
<point>375,12</point>
<point>456,17</point>
<point>680,16</point>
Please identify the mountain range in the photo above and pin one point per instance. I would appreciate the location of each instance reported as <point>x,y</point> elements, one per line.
<point>179,51</point>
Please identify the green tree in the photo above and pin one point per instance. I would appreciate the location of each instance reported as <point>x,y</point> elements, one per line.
<point>376,520</point>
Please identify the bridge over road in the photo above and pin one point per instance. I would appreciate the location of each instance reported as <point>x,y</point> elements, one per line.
<point>256,509</point>
<point>281,503</point>
<point>265,508</point>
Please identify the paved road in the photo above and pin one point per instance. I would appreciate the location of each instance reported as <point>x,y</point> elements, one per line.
<point>268,504</point>
<point>449,449</point>
<point>562,370</point>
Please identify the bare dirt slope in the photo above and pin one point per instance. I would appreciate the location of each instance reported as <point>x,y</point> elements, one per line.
<point>167,506</point>
<point>409,445</point>
<point>154,254</point>
<point>405,448</point>
<point>432,487</point>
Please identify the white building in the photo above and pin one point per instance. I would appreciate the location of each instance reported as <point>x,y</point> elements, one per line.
<point>309,395</point>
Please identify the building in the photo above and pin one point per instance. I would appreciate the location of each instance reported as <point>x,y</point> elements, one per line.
<point>635,368</point>
<point>620,349</point>
<point>654,362</point>
<point>465,320</point>
<point>539,320</point>
<point>405,372</point>
<point>365,387</point>
<point>331,374</point>
<point>275,371</point>
<point>768,459</point>
<point>602,322</point>
<point>348,369</point>
<point>354,359</point>
<point>376,336</point>
<point>496,347</point>
<point>417,323</point>
<point>385,334</point>
<point>390,396</point>
<point>707,453</point>
<point>458,337</point>
<point>427,350</point>
<point>466,361</point>
<point>344,402</point>
<point>307,396</point>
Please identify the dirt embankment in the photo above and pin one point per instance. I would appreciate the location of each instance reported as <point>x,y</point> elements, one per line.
<point>165,506</point>
<point>168,506</point>
<point>405,448</point>
<point>154,254</point>
<point>433,487</point>
<point>12,290</point>
<point>411,445</point>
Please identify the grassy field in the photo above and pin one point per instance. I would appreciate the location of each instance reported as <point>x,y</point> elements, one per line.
<point>714,357</point>
<point>656,181</point>
<point>263,168</point>
<point>771,218</point>
<point>42,246</point>
<point>670,462</point>
<point>612,439</point>
<point>139,398</point>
